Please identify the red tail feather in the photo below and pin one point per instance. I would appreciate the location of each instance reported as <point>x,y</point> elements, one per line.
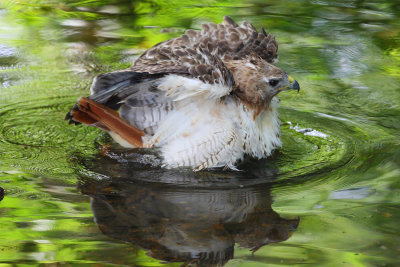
<point>93,113</point>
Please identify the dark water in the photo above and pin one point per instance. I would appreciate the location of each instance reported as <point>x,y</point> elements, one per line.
<point>329,197</point>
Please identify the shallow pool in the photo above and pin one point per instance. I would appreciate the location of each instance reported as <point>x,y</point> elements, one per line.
<point>329,197</point>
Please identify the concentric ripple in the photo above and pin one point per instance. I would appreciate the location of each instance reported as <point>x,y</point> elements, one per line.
<point>34,137</point>
<point>312,144</point>
<point>315,143</point>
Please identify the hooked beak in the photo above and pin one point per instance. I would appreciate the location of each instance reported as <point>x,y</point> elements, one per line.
<point>293,84</point>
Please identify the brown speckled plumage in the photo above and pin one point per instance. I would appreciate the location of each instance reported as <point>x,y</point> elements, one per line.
<point>203,54</point>
<point>227,40</point>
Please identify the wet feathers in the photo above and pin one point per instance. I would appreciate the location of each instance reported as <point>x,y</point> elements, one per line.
<point>205,98</point>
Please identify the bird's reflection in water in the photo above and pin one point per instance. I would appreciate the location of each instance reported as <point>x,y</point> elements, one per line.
<point>195,218</point>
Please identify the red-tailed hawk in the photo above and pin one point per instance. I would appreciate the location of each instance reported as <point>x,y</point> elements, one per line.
<point>205,99</point>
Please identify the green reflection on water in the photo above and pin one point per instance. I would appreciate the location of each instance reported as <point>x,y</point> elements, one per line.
<point>338,169</point>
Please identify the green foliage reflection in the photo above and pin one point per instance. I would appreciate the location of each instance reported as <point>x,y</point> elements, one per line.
<point>338,168</point>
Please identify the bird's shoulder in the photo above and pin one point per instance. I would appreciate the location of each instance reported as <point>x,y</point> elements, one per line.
<point>203,54</point>
<point>227,40</point>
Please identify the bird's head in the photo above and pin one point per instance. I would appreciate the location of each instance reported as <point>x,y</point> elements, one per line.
<point>257,82</point>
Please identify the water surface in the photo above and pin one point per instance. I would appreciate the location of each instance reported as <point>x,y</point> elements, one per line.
<point>330,196</point>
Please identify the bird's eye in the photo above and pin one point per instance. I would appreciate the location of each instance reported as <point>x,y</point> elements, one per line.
<point>273,82</point>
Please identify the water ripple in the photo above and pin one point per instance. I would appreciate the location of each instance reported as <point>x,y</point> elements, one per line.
<point>318,144</point>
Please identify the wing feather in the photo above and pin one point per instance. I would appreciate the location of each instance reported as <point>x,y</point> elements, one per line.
<point>195,62</point>
<point>227,41</point>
